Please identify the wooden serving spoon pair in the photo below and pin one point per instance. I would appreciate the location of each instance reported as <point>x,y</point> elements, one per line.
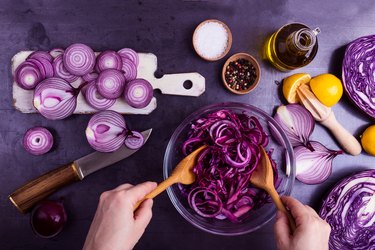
<point>262,178</point>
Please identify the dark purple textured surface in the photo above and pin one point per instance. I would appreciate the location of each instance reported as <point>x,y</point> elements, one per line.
<point>164,28</point>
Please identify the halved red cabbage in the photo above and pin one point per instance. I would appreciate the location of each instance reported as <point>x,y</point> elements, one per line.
<point>358,73</point>
<point>350,210</point>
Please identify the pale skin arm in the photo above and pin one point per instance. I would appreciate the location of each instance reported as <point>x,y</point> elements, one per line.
<point>115,226</point>
<point>311,231</point>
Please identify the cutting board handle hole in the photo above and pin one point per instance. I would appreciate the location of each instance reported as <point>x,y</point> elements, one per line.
<point>188,84</point>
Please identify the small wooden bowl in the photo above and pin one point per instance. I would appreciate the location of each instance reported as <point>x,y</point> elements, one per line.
<point>253,61</point>
<point>229,42</point>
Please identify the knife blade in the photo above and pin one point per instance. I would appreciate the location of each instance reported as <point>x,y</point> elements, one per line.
<point>26,196</point>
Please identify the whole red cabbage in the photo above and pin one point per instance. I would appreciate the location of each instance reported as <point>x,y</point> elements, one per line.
<point>350,211</point>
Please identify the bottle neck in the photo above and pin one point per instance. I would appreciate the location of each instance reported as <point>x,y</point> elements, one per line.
<point>302,41</point>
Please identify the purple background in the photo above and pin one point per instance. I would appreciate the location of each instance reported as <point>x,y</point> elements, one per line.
<point>164,28</point>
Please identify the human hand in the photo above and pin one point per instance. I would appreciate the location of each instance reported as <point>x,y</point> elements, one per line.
<point>115,225</point>
<point>311,231</point>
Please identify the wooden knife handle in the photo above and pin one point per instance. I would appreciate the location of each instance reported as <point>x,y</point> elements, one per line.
<point>32,192</point>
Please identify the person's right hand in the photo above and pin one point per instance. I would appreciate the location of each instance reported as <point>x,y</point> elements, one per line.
<point>311,231</point>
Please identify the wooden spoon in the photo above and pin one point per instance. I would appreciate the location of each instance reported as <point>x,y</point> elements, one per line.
<point>262,178</point>
<point>181,174</point>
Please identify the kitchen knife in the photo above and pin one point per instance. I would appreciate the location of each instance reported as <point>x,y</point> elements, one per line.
<point>29,194</point>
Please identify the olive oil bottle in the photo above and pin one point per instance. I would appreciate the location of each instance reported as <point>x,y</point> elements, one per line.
<point>293,46</point>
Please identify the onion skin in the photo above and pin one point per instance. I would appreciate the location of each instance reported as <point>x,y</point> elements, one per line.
<point>314,167</point>
<point>79,59</point>
<point>138,93</point>
<point>94,99</point>
<point>110,83</point>
<point>297,123</point>
<point>48,218</point>
<point>38,141</point>
<point>106,131</point>
<point>55,98</point>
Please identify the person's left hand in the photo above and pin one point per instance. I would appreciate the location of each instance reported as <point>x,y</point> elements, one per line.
<point>115,225</point>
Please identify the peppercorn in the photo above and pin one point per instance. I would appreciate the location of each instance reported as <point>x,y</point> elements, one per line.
<point>240,74</point>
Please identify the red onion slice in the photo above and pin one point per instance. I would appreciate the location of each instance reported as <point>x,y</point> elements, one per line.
<point>56,52</point>
<point>108,60</point>
<point>38,141</point>
<point>135,140</point>
<point>43,64</point>
<point>106,131</point>
<point>138,93</point>
<point>129,69</point>
<point>60,70</point>
<point>55,98</point>
<point>27,75</point>
<point>90,77</point>
<point>40,54</point>
<point>79,59</point>
<point>110,83</point>
<point>314,167</point>
<point>130,54</point>
<point>94,99</point>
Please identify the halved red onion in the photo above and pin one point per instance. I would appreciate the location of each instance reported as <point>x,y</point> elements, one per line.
<point>55,98</point>
<point>110,83</point>
<point>38,141</point>
<point>79,59</point>
<point>90,77</point>
<point>27,75</point>
<point>56,52</point>
<point>297,123</point>
<point>94,99</point>
<point>134,140</point>
<point>314,167</point>
<point>106,131</point>
<point>130,54</point>
<point>108,60</point>
<point>60,70</point>
<point>138,93</point>
<point>129,69</point>
<point>40,54</point>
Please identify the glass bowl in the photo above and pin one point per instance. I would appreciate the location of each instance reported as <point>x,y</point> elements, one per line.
<point>282,155</point>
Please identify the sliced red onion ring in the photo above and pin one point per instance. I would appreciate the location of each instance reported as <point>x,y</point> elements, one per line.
<point>27,75</point>
<point>60,70</point>
<point>40,54</point>
<point>44,65</point>
<point>205,202</point>
<point>106,131</point>
<point>38,141</point>
<point>79,59</point>
<point>129,69</point>
<point>108,60</point>
<point>94,99</point>
<point>56,52</point>
<point>55,98</point>
<point>90,77</point>
<point>138,93</point>
<point>110,83</point>
<point>130,54</point>
<point>135,140</point>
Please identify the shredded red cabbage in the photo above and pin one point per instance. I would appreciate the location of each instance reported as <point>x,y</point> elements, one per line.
<point>222,188</point>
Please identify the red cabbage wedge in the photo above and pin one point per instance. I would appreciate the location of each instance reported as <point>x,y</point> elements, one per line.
<point>350,210</point>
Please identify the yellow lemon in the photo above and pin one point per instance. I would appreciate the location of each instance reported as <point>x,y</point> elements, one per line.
<point>327,88</point>
<point>368,140</point>
<point>291,83</point>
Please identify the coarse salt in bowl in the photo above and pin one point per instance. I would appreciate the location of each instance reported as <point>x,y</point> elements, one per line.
<point>212,40</point>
